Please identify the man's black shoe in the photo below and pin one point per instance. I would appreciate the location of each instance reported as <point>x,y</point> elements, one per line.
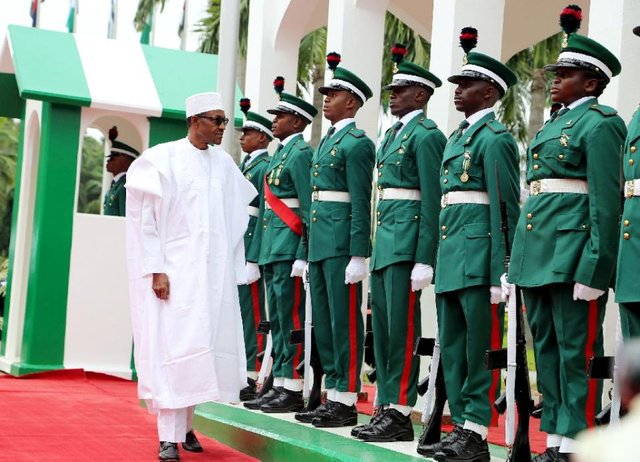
<point>377,415</point>
<point>287,401</point>
<point>550,455</point>
<point>306,416</point>
<point>430,450</point>
<point>191,443</point>
<point>469,446</point>
<point>168,451</point>
<point>392,426</point>
<point>339,415</point>
<point>249,392</point>
<point>258,402</point>
<point>564,456</point>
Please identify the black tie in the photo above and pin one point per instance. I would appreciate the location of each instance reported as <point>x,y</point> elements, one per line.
<point>463,125</point>
<point>330,132</point>
<point>559,113</point>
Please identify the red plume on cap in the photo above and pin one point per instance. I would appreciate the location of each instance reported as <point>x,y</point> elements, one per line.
<point>398,52</point>
<point>113,133</point>
<point>468,39</point>
<point>278,85</point>
<point>245,105</point>
<point>333,59</point>
<point>570,19</point>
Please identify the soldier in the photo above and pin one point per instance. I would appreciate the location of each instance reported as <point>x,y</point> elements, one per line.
<point>565,243</point>
<point>120,158</point>
<point>408,190</point>
<point>284,213</point>
<point>339,243</point>
<point>627,286</point>
<point>480,164</point>
<point>256,136</point>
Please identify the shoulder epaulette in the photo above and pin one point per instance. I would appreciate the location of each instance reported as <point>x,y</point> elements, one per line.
<point>495,126</point>
<point>606,111</point>
<point>302,144</point>
<point>428,124</point>
<point>356,132</point>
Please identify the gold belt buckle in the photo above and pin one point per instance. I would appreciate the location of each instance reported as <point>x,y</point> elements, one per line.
<point>629,188</point>
<point>315,195</point>
<point>536,187</point>
<point>444,200</point>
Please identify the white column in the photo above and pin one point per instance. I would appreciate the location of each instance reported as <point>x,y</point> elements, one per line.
<point>449,17</point>
<point>227,57</point>
<point>366,19</point>
<point>611,23</point>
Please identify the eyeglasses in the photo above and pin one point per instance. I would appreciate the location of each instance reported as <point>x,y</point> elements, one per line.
<point>218,120</point>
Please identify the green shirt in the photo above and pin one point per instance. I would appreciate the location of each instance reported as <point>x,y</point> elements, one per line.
<point>115,201</point>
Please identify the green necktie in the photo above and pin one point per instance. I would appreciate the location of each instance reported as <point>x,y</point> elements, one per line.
<point>461,127</point>
<point>559,113</point>
<point>391,134</point>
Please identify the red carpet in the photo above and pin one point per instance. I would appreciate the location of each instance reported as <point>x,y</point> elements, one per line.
<point>73,415</point>
<point>537,439</point>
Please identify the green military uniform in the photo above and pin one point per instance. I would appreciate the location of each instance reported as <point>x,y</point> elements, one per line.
<point>627,282</point>
<point>408,160</point>
<point>340,228</point>
<point>287,177</point>
<point>254,167</point>
<point>566,234</point>
<point>115,201</point>
<point>480,164</point>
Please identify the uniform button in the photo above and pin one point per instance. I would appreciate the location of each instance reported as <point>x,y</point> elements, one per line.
<point>379,222</point>
<point>265,226</point>
<point>627,222</point>
<point>250,234</point>
<point>380,165</point>
<point>315,188</point>
<point>536,166</point>
<point>626,235</point>
<point>415,217</point>
<point>444,228</point>
<point>632,149</point>
<point>529,226</point>
<point>444,236</point>
<point>315,173</point>
<point>529,216</point>
<point>379,173</point>
<point>314,211</point>
<point>584,226</point>
<point>631,162</point>
<point>379,213</point>
<point>446,172</point>
<point>315,219</point>
<point>445,181</point>
<point>535,155</point>
<point>560,156</point>
<point>316,166</point>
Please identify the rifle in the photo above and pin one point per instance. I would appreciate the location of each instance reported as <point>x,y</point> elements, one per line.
<point>514,359</point>
<point>433,386</point>
<point>265,356</point>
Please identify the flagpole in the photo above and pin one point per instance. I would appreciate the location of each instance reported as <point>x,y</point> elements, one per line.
<point>153,27</point>
<point>113,31</point>
<point>185,25</point>
<point>227,56</point>
<point>38,3</point>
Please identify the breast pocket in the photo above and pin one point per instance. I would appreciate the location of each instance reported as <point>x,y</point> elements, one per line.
<point>405,232</point>
<point>477,247</point>
<point>572,232</point>
<point>341,222</point>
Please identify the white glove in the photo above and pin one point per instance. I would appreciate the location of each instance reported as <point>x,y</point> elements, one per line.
<point>495,294</point>
<point>356,270</point>
<point>421,276</point>
<point>297,269</point>
<point>252,271</point>
<point>582,292</point>
<point>506,287</point>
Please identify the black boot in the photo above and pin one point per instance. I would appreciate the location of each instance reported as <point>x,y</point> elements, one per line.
<point>550,455</point>
<point>377,415</point>
<point>168,452</point>
<point>249,392</point>
<point>340,415</point>
<point>306,416</point>
<point>286,401</point>
<point>469,446</point>
<point>191,443</point>
<point>430,450</point>
<point>392,426</point>
<point>258,402</point>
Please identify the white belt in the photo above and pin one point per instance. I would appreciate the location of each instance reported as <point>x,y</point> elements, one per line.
<point>631,188</point>
<point>558,185</point>
<point>253,211</point>
<point>331,196</point>
<point>399,194</point>
<point>464,197</point>
<point>292,203</point>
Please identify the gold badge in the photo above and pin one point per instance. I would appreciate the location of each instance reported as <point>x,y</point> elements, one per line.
<point>333,152</point>
<point>277,181</point>
<point>466,164</point>
<point>270,180</point>
<point>248,176</point>
<point>464,177</point>
<point>564,140</point>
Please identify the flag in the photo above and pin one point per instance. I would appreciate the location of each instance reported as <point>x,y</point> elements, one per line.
<point>145,38</point>
<point>112,31</point>
<point>182,20</point>
<point>73,11</point>
<point>34,12</point>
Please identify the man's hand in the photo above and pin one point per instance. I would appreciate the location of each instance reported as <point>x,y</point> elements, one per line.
<point>252,271</point>
<point>586,293</point>
<point>505,286</point>
<point>160,285</point>
<point>356,270</point>
<point>297,269</point>
<point>421,276</point>
<point>495,295</point>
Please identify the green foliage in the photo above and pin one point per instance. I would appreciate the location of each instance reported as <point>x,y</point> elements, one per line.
<point>91,173</point>
<point>145,7</point>
<point>210,26</point>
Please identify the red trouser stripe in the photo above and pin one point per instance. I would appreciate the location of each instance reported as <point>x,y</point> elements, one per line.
<point>353,338</point>
<point>408,351</point>
<point>496,343</point>
<point>592,387</point>
<point>255,300</point>
<point>297,325</point>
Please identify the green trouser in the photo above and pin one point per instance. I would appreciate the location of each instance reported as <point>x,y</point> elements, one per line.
<point>630,319</point>
<point>285,301</point>
<point>252,310</point>
<point>567,333</point>
<point>468,326</point>
<point>337,323</point>
<point>395,318</point>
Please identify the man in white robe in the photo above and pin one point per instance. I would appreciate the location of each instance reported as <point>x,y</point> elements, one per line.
<point>186,217</point>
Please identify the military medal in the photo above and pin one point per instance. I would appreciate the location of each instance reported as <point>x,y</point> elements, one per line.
<point>333,152</point>
<point>277,181</point>
<point>564,140</point>
<point>464,177</point>
<point>466,163</point>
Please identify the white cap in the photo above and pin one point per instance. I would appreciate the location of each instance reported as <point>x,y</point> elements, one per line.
<point>203,102</point>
